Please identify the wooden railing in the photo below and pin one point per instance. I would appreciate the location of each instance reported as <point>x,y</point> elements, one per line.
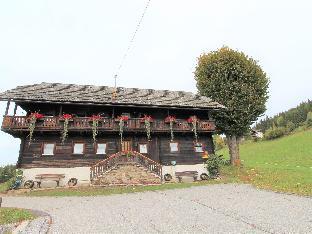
<point>109,124</point>
<point>122,157</point>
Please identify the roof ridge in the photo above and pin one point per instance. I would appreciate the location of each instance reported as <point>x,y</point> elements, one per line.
<point>118,87</point>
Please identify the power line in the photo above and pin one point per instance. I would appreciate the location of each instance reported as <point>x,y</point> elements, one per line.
<point>131,42</point>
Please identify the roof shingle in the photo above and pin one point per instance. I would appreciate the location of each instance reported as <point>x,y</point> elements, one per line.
<point>56,92</point>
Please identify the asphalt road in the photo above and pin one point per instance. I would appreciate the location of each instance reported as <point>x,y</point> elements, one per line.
<point>208,209</point>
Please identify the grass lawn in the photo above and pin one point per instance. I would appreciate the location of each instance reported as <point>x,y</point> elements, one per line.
<point>283,165</point>
<point>14,215</point>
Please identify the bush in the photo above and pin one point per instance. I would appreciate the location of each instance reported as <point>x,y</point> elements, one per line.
<point>275,133</point>
<point>290,126</point>
<point>219,142</point>
<point>213,164</point>
<point>309,119</point>
<point>14,181</point>
<point>6,173</point>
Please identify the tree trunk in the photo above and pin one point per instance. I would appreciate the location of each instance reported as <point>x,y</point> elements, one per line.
<point>233,144</point>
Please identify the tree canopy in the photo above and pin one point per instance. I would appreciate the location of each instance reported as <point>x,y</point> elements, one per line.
<point>238,82</point>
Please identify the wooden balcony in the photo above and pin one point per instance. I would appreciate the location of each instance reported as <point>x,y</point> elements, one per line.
<point>21,123</point>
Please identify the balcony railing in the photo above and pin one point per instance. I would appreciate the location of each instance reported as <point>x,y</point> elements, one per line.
<point>21,123</point>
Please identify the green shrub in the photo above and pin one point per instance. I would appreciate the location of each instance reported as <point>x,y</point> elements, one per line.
<point>6,173</point>
<point>213,164</point>
<point>219,142</point>
<point>8,184</point>
<point>280,121</point>
<point>275,133</point>
<point>309,119</point>
<point>290,126</point>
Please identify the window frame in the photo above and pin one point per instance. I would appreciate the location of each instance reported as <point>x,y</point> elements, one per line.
<point>48,143</point>
<point>96,147</point>
<point>83,148</point>
<point>178,147</point>
<point>202,146</point>
<point>143,143</point>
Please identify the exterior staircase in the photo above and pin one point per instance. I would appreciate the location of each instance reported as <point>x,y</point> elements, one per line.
<point>126,168</point>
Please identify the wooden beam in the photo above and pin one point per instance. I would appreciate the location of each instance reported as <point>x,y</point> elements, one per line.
<point>61,110</point>
<point>214,107</point>
<point>7,107</point>
<point>15,108</point>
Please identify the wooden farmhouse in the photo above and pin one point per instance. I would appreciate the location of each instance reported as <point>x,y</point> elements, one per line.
<point>101,135</point>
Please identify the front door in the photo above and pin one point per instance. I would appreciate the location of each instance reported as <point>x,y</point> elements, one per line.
<point>126,145</point>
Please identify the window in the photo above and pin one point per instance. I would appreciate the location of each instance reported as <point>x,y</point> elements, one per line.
<point>78,148</point>
<point>174,147</point>
<point>199,148</point>
<point>143,148</point>
<point>101,148</point>
<point>48,149</point>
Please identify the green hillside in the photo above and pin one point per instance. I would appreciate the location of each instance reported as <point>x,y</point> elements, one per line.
<point>282,165</point>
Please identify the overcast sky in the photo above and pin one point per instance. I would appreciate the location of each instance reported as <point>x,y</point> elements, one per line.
<point>83,42</point>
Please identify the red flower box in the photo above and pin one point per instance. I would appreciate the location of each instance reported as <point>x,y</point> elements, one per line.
<point>170,118</point>
<point>36,115</point>
<point>66,117</point>
<point>192,119</point>
<point>123,118</point>
<point>147,118</point>
<point>95,117</point>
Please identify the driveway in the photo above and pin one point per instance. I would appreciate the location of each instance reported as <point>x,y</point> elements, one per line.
<point>228,208</point>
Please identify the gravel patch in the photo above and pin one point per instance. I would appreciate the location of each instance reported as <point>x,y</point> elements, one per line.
<point>38,226</point>
<point>230,208</point>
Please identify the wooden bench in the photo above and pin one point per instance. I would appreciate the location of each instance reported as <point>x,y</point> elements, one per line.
<point>49,177</point>
<point>193,174</point>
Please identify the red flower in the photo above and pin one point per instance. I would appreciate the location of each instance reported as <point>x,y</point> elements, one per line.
<point>36,115</point>
<point>170,118</point>
<point>192,119</point>
<point>39,116</point>
<point>147,118</point>
<point>95,117</point>
<point>67,116</point>
<point>123,118</point>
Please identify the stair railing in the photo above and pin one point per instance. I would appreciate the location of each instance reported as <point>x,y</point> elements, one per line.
<point>121,157</point>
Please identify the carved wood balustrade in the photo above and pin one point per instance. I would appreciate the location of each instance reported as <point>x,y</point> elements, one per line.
<point>21,123</point>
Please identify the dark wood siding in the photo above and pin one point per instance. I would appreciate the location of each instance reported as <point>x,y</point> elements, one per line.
<point>63,154</point>
<point>158,150</point>
<point>186,153</point>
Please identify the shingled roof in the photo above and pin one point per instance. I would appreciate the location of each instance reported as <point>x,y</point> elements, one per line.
<point>71,93</point>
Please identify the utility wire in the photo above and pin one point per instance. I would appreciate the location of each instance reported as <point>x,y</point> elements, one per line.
<point>131,42</point>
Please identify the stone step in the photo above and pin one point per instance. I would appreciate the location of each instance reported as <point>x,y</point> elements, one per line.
<point>128,174</point>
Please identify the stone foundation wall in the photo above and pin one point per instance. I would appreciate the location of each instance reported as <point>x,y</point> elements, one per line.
<point>82,174</point>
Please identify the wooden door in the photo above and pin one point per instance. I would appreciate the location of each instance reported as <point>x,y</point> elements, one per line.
<point>126,146</point>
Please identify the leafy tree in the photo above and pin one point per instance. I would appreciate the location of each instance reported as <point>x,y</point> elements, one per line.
<point>297,116</point>
<point>290,126</point>
<point>237,81</point>
<point>280,121</point>
<point>309,119</point>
